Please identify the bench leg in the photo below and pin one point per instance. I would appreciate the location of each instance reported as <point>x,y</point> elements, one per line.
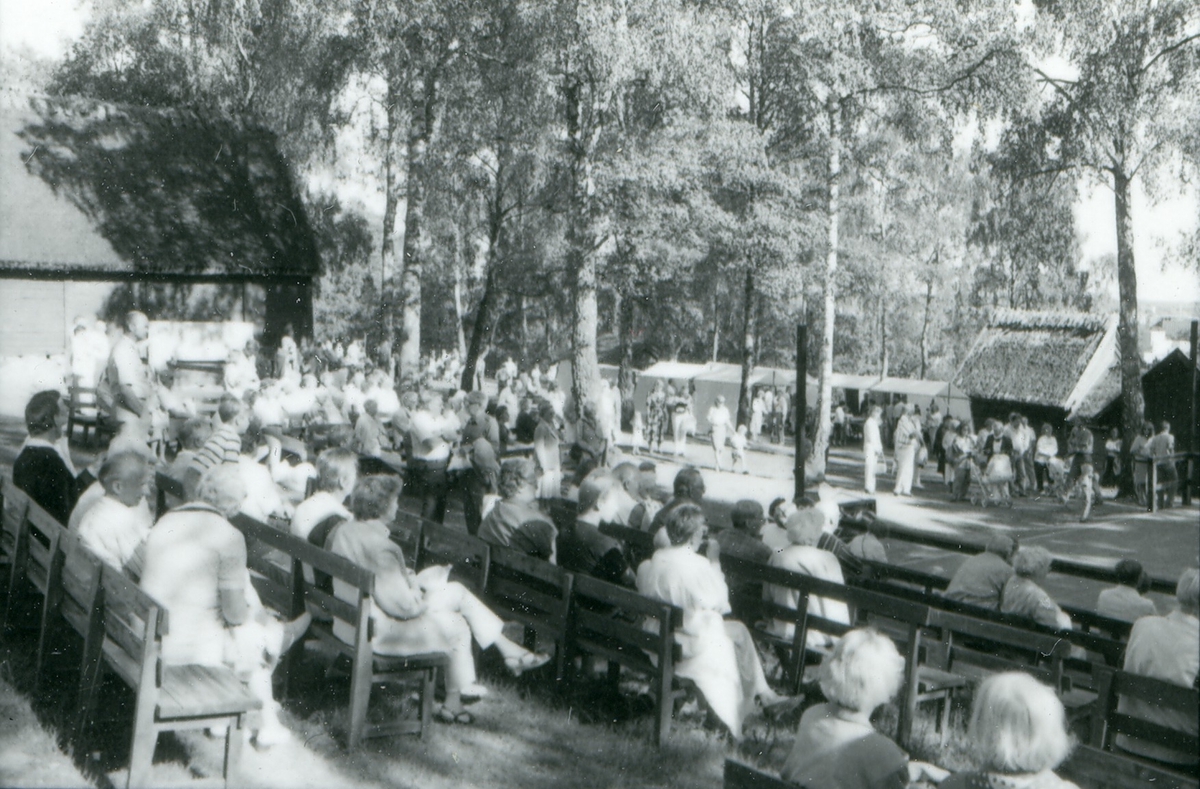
<point>234,741</point>
<point>666,709</point>
<point>428,680</point>
<point>360,697</point>
<point>141,755</point>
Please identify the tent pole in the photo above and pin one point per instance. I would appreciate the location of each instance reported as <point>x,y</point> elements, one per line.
<point>801,404</point>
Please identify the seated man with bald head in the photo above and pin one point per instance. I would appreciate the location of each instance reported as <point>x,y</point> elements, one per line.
<point>117,525</point>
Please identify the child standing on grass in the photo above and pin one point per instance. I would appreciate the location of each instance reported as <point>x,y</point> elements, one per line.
<point>639,433</point>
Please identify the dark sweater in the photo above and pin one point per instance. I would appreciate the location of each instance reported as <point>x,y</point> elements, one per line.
<point>41,473</point>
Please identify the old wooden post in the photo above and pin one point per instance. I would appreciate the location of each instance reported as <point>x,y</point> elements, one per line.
<point>801,404</point>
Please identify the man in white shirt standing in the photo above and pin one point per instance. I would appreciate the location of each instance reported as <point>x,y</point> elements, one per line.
<point>433,431</point>
<point>116,526</point>
<point>872,448</point>
<point>125,384</point>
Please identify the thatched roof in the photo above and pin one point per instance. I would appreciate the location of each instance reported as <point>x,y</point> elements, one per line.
<point>95,189</point>
<point>1039,358</point>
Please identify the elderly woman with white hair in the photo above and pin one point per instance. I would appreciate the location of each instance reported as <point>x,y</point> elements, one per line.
<point>836,746</point>
<point>804,529</point>
<point>717,654</point>
<point>195,565</point>
<point>1166,648</point>
<point>1018,731</point>
<point>1023,595</point>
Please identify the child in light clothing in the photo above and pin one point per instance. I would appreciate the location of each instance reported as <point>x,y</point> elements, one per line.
<point>738,442</point>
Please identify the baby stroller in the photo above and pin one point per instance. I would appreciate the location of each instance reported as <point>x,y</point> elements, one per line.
<point>993,482</point>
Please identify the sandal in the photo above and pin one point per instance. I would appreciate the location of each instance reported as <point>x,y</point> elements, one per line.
<point>445,715</point>
<point>526,662</point>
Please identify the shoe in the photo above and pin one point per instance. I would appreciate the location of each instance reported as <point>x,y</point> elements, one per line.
<point>461,717</point>
<point>526,662</point>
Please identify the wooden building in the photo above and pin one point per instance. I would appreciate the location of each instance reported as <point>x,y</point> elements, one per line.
<point>1046,365</point>
<point>1167,391</point>
<point>96,196</point>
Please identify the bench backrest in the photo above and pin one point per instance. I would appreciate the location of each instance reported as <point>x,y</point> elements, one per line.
<point>742,776</point>
<point>639,545</point>
<point>996,647</point>
<point>171,492</point>
<point>13,524</point>
<point>44,534</point>
<point>134,625</point>
<point>1110,649</point>
<point>624,625</point>
<point>529,589</point>
<point>467,555</point>
<point>1100,769</point>
<point>270,559</point>
<point>1107,722</point>
<point>75,581</point>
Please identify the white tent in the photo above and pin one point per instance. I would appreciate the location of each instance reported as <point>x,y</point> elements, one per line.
<point>726,379</point>
<point>667,372</point>
<point>949,397</point>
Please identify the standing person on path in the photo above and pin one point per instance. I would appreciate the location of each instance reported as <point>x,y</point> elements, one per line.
<point>124,389</point>
<point>908,440</point>
<point>719,422</point>
<point>1161,447</point>
<point>656,416</point>
<point>872,448</point>
<point>683,420</point>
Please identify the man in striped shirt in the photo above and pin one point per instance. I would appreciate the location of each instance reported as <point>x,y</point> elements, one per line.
<point>225,443</point>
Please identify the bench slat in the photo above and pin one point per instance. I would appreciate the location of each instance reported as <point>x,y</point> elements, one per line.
<point>201,691</point>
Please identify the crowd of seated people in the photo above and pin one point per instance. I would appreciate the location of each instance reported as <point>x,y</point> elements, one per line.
<point>197,566</point>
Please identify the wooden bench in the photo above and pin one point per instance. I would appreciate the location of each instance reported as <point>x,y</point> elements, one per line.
<point>639,545</point>
<point>1096,769</point>
<point>972,648</point>
<point>1109,722</point>
<point>170,493</point>
<point>902,620</point>
<point>14,504</point>
<point>610,622</point>
<point>36,545</point>
<point>366,668</point>
<point>535,593</point>
<point>70,606</point>
<point>168,697</point>
<point>468,556</point>
<point>743,776</point>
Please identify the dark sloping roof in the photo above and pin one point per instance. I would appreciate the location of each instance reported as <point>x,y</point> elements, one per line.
<point>93,188</point>
<point>1031,357</point>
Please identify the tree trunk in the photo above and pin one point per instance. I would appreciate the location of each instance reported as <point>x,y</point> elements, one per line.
<point>925,327</point>
<point>524,306</point>
<point>625,371</point>
<point>459,335</point>
<point>1133,406</point>
<point>883,340</point>
<point>483,324</point>
<point>816,461</point>
<point>749,330</point>
<point>716,348</point>
<point>420,125</point>
<point>581,260</point>
<point>391,186</point>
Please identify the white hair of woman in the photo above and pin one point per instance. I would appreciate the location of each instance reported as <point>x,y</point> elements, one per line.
<point>1018,725</point>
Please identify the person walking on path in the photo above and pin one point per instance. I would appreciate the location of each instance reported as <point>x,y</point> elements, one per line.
<point>719,422</point>
<point>872,448</point>
<point>656,416</point>
<point>908,440</point>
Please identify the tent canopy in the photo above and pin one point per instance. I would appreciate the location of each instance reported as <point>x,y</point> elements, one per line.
<point>949,398</point>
